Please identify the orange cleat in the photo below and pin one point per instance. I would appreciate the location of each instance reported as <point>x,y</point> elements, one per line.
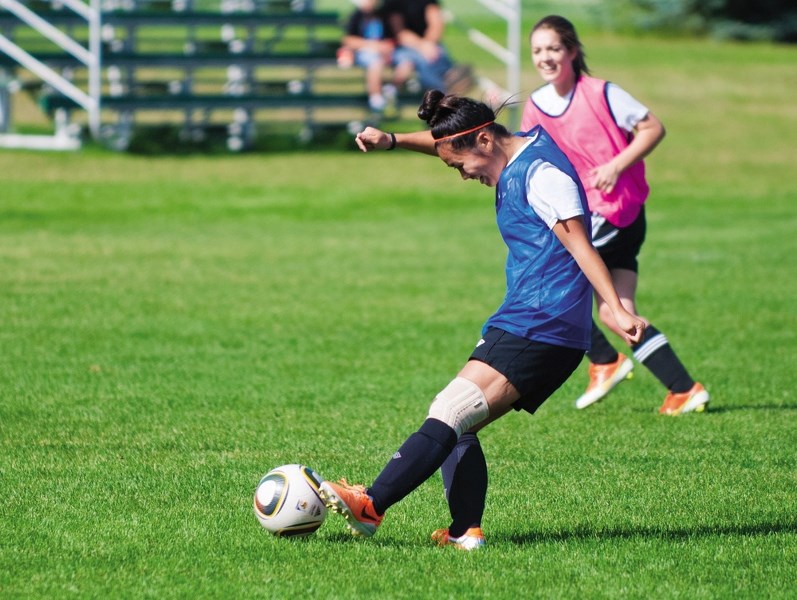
<point>472,539</point>
<point>603,378</point>
<point>353,504</point>
<point>695,400</point>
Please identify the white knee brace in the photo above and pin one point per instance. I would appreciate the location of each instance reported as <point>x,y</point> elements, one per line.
<point>461,405</point>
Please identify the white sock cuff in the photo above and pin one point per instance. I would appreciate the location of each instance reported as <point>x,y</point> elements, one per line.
<point>643,352</point>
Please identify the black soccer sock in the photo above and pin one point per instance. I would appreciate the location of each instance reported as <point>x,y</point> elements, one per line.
<point>465,480</point>
<point>654,351</point>
<point>601,352</point>
<point>415,461</point>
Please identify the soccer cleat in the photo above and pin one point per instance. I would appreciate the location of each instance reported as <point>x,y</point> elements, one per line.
<point>472,539</point>
<point>603,378</point>
<point>695,400</point>
<point>353,504</point>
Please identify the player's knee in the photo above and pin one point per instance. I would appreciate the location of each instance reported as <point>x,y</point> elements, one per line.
<point>461,405</point>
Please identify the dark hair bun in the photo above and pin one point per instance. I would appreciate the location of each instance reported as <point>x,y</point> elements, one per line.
<point>428,107</point>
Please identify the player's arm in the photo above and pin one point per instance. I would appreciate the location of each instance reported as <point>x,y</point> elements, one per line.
<point>372,138</point>
<point>572,234</point>
<point>649,132</point>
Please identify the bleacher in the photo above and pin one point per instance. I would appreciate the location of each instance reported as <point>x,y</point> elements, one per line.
<point>243,66</point>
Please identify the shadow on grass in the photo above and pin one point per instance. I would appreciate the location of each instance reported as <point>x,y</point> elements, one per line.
<point>585,533</point>
<point>718,410</point>
<point>740,407</point>
<point>377,540</point>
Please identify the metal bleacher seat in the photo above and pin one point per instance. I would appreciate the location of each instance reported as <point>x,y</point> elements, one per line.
<point>237,61</point>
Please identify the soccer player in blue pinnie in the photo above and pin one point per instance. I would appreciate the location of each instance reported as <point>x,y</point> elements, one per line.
<point>528,347</point>
<point>606,133</point>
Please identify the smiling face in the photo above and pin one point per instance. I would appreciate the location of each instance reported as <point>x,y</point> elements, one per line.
<point>553,60</point>
<point>482,162</point>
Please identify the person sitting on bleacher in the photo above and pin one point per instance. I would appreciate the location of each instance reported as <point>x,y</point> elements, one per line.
<point>419,26</point>
<point>369,44</point>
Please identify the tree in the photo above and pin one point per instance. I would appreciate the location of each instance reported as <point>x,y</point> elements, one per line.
<point>735,19</point>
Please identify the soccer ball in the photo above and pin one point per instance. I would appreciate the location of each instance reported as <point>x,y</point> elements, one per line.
<point>287,502</point>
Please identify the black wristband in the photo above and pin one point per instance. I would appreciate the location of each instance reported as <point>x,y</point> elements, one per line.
<point>392,145</point>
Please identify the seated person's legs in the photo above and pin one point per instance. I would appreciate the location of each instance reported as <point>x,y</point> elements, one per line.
<point>374,66</point>
<point>431,75</point>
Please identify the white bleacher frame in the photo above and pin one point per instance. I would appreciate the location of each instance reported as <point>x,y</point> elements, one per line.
<point>91,11</point>
<point>65,137</point>
<point>509,54</point>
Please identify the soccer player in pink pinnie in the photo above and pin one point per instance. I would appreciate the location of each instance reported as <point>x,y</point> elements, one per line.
<point>606,133</point>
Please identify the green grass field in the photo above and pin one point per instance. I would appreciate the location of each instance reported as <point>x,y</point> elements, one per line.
<point>174,327</point>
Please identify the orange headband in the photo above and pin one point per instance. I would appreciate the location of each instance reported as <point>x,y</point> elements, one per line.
<point>471,130</point>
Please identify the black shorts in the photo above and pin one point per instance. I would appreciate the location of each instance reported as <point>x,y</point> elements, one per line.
<point>536,369</point>
<point>619,246</point>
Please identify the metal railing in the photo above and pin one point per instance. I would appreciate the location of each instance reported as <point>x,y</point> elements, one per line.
<point>89,56</point>
<point>508,54</point>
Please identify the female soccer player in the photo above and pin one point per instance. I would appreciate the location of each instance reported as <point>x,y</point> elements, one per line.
<point>605,133</point>
<point>532,343</point>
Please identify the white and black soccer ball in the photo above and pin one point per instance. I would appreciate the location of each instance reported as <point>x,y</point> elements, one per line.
<point>287,502</point>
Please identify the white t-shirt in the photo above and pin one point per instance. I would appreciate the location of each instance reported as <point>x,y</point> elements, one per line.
<point>550,192</point>
<point>627,110</point>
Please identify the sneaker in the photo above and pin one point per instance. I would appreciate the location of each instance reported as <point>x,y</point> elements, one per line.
<point>603,378</point>
<point>695,400</point>
<point>377,102</point>
<point>459,80</point>
<point>353,504</point>
<point>390,92</point>
<point>472,539</point>
<point>413,86</point>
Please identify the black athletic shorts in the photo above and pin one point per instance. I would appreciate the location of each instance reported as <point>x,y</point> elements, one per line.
<point>535,369</point>
<point>619,247</point>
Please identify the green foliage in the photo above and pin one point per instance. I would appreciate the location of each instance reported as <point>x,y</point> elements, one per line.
<point>726,19</point>
<point>175,326</point>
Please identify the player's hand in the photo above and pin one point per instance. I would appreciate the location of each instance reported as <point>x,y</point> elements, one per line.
<point>372,138</point>
<point>633,326</point>
<point>604,177</point>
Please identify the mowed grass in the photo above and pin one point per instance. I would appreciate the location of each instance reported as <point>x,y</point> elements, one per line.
<point>172,328</point>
